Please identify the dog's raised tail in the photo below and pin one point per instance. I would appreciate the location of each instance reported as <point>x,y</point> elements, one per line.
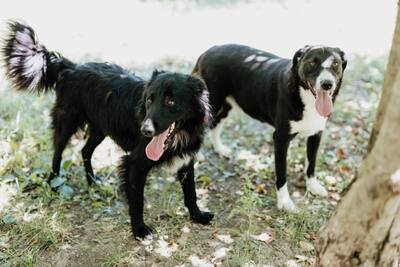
<point>29,65</point>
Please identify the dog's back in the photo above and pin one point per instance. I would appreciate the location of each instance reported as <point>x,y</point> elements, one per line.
<point>101,95</point>
<point>235,70</point>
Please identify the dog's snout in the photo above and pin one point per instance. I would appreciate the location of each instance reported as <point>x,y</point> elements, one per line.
<point>147,128</point>
<point>326,85</point>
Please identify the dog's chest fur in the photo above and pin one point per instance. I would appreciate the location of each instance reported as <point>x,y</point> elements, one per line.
<point>311,122</point>
<point>178,162</point>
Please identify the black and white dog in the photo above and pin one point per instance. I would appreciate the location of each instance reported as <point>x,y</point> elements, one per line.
<point>295,96</point>
<point>161,121</point>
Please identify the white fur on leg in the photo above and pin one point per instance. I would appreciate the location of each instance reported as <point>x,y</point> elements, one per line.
<point>284,201</point>
<point>315,187</point>
<point>215,134</point>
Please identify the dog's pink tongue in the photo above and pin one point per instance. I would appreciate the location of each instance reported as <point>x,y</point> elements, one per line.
<point>155,148</point>
<point>323,103</point>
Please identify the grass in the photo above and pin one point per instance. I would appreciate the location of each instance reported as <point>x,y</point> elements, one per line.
<point>27,239</point>
<point>83,226</point>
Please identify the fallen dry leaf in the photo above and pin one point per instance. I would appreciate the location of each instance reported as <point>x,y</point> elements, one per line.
<point>345,169</point>
<point>335,196</point>
<point>197,262</point>
<point>330,180</point>
<point>340,153</point>
<point>239,193</point>
<point>292,263</point>
<point>301,257</point>
<point>224,238</point>
<point>264,237</point>
<point>185,230</point>
<point>219,254</point>
<point>261,189</point>
<point>165,249</point>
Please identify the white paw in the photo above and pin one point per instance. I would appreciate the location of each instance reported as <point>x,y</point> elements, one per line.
<point>287,205</point>
<point>315,187</point>
<point>284,202</point>
<point>224,151</point>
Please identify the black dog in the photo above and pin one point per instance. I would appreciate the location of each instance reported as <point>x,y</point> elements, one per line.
<point>158,122</point>
<point>294,95</point>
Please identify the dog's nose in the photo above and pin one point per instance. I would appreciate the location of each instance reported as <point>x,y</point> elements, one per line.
<point>326,84</point>
<point>147,128</point>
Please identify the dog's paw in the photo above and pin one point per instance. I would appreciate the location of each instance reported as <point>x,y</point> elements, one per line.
<point>284,202</point>
<point>224,151</point>
<point>287,205</point>
<point>315,187</point>
<point>141,231</point>
<point>202,217</point>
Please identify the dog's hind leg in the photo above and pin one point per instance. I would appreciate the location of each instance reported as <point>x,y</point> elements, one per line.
<point>95,138</point>
<point>312,183</point>
<point>281,145</point>
<point>186,178</point>
<point>216,128</point>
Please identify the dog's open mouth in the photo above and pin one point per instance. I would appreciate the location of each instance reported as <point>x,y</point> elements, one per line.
<point>323,101</point>
<point>159,143</point>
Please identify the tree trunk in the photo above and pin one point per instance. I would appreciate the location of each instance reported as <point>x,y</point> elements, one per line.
<point>365,227</point>
<point>392,69</point>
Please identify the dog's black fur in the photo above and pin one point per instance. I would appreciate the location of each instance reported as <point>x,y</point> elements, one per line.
<point>266,87</point>
<point>110,101</point>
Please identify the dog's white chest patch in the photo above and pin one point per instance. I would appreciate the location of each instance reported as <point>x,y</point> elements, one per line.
<point>178,162</point>
<point>312,122</point>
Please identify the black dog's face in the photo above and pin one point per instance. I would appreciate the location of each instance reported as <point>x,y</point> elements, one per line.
<point>320,70</point>
<point>169,100</point>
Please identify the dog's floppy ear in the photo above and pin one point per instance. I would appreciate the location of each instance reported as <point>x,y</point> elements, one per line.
<point>196,83</point>
<point>343,58</point>
<point>201,96</point>
<point>299,54</point>
<point>155,73</point>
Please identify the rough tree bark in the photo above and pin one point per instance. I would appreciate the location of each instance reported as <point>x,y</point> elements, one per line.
<point>364,230</point>
<point>392,69</point>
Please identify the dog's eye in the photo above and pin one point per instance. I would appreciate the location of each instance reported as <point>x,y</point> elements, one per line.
<point>169,102</point>
<point>311,63</point>
<point>149,100</point>
<point>335,64</point>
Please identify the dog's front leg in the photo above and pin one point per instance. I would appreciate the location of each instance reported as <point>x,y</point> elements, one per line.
<point>135,178</point>
<point>312,183</point>
<point>186,178</point>
<point>281,145</point>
